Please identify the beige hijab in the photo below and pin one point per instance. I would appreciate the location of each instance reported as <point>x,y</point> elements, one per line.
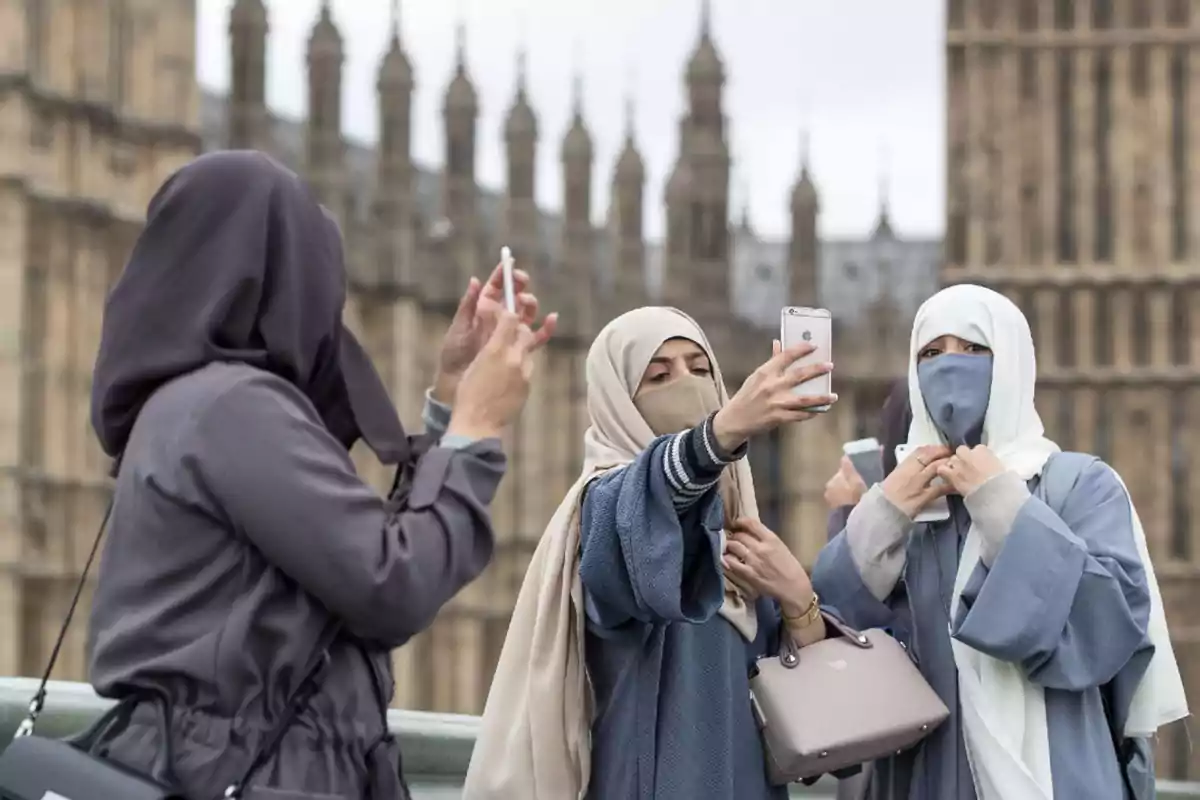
<point>535,738</point>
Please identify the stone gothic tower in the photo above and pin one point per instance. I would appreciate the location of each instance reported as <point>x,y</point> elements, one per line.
<point>460,112</point>
<point>698,192</point>
<point>248,118</point>
<point>394,209</point>
<point>577,268</point>
<point>625,223</point>
<point>1073,188</point>
<point>802,250</point>
<point>325,148</point>
<point>521,141</point>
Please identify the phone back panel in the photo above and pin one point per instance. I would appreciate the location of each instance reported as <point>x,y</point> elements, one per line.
<point>813,325</point>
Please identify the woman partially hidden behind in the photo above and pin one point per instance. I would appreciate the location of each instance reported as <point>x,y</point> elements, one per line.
<point>243,549</point>
<point>635,597</point>
<point>1033,609</point>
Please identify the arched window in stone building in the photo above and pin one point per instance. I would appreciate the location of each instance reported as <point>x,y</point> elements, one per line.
<point>1179,154</point>
<point>1142,219</point>
<point>1179,13</point>
<point>1139,14</point>
<point>1103,448</point>
<point>1181,518</point>
<point>766,457</point>
<point>955,15</point>
<point>1140,328</point>
<point>1102,14</point>
<point>1102,343</point>
<point>35,37</point>
<point>1027,15</point>
<point>118,50</point>
<point>989,13</point>
<point>1181,329</point>
<point>1065,112</point>
<point>1064,321</point>
<point>1029,75</point>
<point>1064,14</point>
<point>1139,68</point>
<point>1031,223</point>
<point>1103,154</point>
<point>459,155</point>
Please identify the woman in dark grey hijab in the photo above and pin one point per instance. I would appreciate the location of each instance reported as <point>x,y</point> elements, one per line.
<point>243,550</point>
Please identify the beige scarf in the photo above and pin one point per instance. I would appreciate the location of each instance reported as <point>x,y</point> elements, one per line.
<point>535,738</point>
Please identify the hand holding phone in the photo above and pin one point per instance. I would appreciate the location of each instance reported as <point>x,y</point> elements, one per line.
<point>914,486</point>
<point>814,326</point>
<point>866,455</point>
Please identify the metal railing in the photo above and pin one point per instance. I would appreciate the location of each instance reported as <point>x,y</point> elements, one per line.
<point>437,747</point>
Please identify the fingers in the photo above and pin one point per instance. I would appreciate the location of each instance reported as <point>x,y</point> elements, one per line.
<point>494,289</point>
<point>508,327</point>
<point>544,333</point>
<point>801,403</point>
<point>776,347</point>
<point>527,307</point>
<point>737,549</point>
<point>750,526</point>
<point>795,377</point>
<point>740,573</point>
<point>784,357</point>
<point>469,301</point>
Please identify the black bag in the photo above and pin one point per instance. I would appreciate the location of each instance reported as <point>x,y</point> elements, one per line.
<point>36,768</point>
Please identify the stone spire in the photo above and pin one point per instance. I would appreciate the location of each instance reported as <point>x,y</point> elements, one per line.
<point>626,215</point>
<point>394,212</point>
<point>521,142</point>
<point>802,250</point>
<point>324,145</point>
<point>883,226</point>
<point>248,118</point>
<point>460,113</point>
<point>577,250</point>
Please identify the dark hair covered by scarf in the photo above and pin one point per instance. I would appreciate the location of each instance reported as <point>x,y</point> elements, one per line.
<point>238,262</point>
<point>894,423</point>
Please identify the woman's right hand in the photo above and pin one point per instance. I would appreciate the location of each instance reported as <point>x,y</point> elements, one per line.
<point>910,487</point>
<point>494,388</point>
<point>767,399</point>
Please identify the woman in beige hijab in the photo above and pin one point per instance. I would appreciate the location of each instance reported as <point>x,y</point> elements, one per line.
<point>625,672</point>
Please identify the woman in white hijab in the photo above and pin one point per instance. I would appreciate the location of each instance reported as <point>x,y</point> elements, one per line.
<point>1030,605</point>
<point>625,672</point>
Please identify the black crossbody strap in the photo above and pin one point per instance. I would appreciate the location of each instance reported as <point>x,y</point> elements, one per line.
<point>295,704</point>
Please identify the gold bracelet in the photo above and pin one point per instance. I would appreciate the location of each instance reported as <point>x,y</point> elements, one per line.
<point>806,617</point>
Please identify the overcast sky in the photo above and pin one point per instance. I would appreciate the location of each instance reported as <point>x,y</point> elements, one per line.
<point>863,77</point>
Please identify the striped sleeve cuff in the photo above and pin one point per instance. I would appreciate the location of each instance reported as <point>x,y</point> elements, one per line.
<point>693,462</point>
<point>435,415</point>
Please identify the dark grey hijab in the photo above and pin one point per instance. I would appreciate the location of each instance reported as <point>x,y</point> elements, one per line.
<point>238,262</point>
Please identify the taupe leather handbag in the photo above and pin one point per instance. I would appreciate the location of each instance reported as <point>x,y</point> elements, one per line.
<point>846,700</point>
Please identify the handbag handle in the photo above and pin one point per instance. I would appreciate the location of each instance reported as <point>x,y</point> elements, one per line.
<point>789,651</point>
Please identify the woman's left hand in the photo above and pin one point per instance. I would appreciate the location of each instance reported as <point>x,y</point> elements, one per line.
<point>758,559</point>
<point>969,468</point>
<point>473,323</point>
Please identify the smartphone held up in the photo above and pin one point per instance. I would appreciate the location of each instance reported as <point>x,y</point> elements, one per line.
<point>815,326</point>
<point>506,267</point>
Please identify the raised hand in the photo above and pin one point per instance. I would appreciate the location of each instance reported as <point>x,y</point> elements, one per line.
<point>767,399</point>
<point>493,389</point>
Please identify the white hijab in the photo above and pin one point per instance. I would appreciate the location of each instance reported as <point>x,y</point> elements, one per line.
<point>1003,714</point>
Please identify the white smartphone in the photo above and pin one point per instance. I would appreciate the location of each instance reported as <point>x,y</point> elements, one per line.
<point>815,325</point>
<point>939,509</point>
<point>506,268</point>
<point>867,457</point>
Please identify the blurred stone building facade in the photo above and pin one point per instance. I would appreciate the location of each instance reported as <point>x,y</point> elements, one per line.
<point>1073,186</point>
<point>98,104</point>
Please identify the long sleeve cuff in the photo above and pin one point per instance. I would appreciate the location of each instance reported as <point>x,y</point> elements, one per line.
<point>876,532</point>
<point>993,508</point>
<point>694,461</point>
<point>436,417</point>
